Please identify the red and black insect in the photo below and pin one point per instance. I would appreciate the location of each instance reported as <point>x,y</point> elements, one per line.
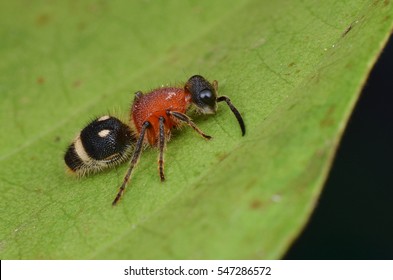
<point>107,141</point>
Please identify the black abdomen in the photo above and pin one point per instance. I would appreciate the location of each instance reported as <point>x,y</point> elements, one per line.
<point>104,142</point>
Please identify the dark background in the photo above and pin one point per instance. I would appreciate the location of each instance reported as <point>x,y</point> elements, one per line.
<point>354,216</point>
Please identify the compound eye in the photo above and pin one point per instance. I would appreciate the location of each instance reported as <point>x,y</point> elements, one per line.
<point>206,96</point>
<point>203,94</point>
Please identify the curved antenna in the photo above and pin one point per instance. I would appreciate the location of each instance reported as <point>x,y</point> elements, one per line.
<point>235,112</point>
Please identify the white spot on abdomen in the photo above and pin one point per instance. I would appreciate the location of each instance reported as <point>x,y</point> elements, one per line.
<point>104,133</point>
<point>103,118</point>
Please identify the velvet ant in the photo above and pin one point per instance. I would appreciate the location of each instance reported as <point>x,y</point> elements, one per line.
<point>106,141</point>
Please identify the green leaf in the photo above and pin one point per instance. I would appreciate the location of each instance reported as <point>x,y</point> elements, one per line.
<point>293,68</point>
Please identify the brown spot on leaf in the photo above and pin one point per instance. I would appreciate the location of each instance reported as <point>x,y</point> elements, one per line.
<point>40,80</point>
<point>43,19</point>
<point>38,190</point>
<point>349,65</point>
<point>328,120</point>
<point>222,156</point>
<point>291,107</point>
<point>291,64</point>
<point>77,83</point>
<point>346,31</point>
<point>316,76</point>
<point>256,204</point>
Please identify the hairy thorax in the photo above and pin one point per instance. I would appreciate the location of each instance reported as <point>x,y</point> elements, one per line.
<point>151,106</point>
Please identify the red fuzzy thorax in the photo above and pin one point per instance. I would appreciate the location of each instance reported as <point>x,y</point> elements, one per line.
<point>153,105</point>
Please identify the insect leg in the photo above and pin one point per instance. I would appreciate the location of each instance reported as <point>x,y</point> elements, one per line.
<point>186,119</point>
<point>133,162</point>
<point>162,147</point>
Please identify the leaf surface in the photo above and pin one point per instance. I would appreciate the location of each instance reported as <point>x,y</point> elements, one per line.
<point>293,68</point>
